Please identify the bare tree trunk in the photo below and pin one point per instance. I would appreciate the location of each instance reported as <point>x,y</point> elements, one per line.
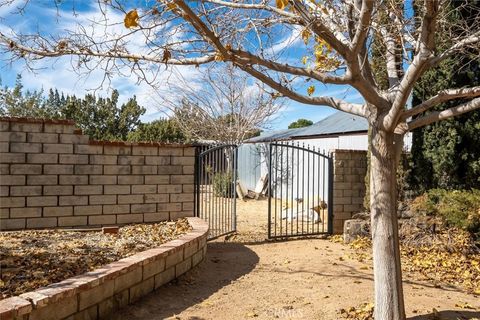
<point>389,302</point>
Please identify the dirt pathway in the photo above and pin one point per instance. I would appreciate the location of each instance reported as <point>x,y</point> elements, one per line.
<point>299,279</point>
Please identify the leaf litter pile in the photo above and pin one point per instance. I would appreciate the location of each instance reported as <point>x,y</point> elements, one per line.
<point>33,259</point>
<point>447,256</point>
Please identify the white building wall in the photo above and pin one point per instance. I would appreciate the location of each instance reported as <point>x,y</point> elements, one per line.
<point>351,142</point>
<point>252,162</point>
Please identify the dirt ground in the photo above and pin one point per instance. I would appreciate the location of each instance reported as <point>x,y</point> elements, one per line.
<point>246,277</point>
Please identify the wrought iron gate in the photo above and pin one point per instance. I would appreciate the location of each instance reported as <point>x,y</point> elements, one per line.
<point>300,191</point>
<point>215,194</point>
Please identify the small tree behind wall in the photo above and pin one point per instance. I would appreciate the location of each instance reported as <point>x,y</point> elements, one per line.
<point>223,106</point>
<point>337,38</point>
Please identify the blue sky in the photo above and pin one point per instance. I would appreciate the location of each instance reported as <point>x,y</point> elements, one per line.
<point>59,72</point>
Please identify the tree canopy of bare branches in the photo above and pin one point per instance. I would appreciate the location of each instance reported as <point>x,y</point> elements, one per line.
<point>223,105</point>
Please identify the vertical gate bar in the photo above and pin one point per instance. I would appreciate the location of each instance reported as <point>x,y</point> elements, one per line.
<point>222,197</point>
<point>298,181</point>
<point>293,179</point>
<point>200,187</point>
<point>270,164</point>
<point>217,171</point>
<point>203,185</point>
<point>208,196</point>
<point>212,194</point>
<point>215,210</point>
<point>317,198</point>
<point>315,194</point>
<point>287,177</point>
<point>228,198</point>
<point>319,201</point>
<point>235,190</point>
<point>323,195</point>
<point>205,197</point>
<point>308,190</point>
<point>231,213</point>
<point>196,190</point>
<point>228,220</point>
<point>330,194</point>
<point>222,200</point>
<point>281,187</point>
<point>303,185</point>
<point>276,188</point>
<point>195,183</point>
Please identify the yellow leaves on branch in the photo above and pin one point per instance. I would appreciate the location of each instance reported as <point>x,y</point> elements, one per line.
<point>306,35</point>
<point>310,90</point>
<point>171,6</point>
<point>131,19</point>
<point>219,57</point>
<point>325,58</point>
<point>281,4</point>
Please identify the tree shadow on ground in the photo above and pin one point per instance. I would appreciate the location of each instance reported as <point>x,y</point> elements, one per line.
<point>448,315</point>
<point>224,263</point>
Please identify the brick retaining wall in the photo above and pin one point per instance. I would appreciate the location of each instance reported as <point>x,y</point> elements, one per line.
<point>96,294</point>
<point>51,175</point>
<point>349,170</point>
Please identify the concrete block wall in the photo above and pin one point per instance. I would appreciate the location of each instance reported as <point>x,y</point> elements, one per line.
<point>349,170</point>
<point>52,175</point>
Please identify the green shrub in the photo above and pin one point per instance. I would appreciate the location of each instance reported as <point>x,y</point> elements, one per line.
<point>223,185</point>
<point>457,208</point>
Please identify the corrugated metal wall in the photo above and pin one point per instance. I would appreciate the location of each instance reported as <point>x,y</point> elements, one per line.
<point>252,157</point>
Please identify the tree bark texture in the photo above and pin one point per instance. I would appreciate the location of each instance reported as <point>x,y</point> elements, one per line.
<point>389,303</point>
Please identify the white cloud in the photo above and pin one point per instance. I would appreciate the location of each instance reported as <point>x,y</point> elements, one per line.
<point>61,72</point>
<point>288,41</point>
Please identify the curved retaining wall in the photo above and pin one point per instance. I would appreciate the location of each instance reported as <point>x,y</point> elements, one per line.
<point>96,294</point>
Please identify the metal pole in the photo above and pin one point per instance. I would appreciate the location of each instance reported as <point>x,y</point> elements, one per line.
<point>235,165</point>
<point>270,194</point>
<point>330,194</point>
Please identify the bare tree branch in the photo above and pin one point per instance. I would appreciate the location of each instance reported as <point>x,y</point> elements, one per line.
<point>442,96</point>
<point>319,26</point>
<point>285,68</point>
<point>57,52</point>
<point>363,26</point>
<point>338,104</point>
<point>265,7</point>
<point>417,68</point>
<point>441,115</point>
<point>458,46</point>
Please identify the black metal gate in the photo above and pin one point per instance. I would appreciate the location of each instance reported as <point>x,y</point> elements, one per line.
<point>215,194</point>
<point>300,191</point>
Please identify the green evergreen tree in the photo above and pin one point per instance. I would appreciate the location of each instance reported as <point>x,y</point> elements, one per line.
<point>100,118</point>
<point>300,123</point>
<point>163,130</point>
<point>447,154</point>
<point>19,103</point>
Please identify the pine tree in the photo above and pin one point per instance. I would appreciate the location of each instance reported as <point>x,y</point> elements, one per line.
<point>447,154</point>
